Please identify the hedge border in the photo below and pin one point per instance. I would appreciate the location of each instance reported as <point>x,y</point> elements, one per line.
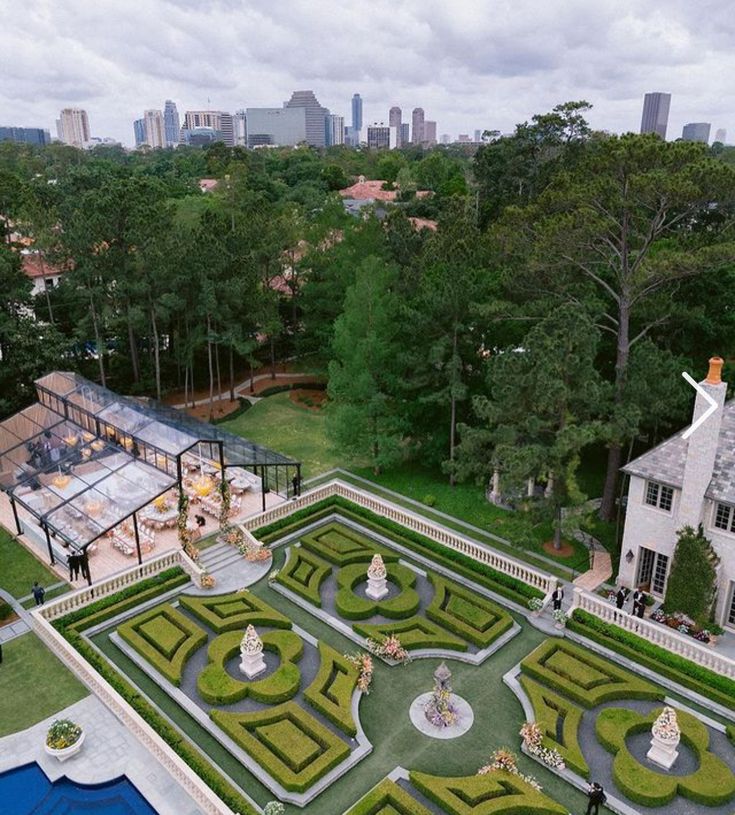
<point>338,712</point>
<point>438,638</point>
<point>310,591</point>
<point>351,606</point>
<point>388,793</point>
<point>202,607</point>
<point>369,548</point>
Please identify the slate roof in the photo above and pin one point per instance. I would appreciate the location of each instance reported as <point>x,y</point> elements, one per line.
<point>665,463</point>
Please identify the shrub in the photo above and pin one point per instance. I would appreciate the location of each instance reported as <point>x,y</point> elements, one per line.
<point>234,611</point>
<point>388,799</point>
<point>429,500</point>
<point>690,588</point>
<point>342,545</point>
<point>414,633</point>
<point>353,607</point>
<point>331,691</point>
<point>701,680</point>
<point>242,408</point>
<point>6,610</point>
<point>304,573</point>
<point>63,733</point>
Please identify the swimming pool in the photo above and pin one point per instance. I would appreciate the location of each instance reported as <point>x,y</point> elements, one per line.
<point>26,791</point>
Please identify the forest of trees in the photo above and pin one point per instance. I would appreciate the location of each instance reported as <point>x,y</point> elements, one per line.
<point>572,277</point>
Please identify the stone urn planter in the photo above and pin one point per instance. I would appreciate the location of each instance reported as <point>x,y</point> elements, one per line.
<point>64,739</point>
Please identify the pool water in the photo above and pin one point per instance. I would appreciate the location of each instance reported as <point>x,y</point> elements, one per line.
<point>27,791</point>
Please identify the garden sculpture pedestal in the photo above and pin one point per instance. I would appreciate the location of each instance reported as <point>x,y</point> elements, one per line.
<point>377,582</point>
<point>665,739</point>
<point>251,654</point>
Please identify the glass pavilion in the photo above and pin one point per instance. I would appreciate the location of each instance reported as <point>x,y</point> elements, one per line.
<point>83,459</point>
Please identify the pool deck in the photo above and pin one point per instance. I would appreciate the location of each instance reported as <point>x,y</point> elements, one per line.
<point>109,751</point>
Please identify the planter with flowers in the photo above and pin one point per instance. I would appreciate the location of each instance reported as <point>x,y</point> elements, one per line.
<point>64,739</point>
<point>535,604</point>
<point>560,619</point>
<point>686,625</point>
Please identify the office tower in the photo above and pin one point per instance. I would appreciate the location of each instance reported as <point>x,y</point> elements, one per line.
<point>394,120</point>
<point>72,127</point>
<point>429,133</point>
<point>446,138</point>
<point>213,119</point>
<point>696,131</point>
<point>171,123</point>
<point>200,136</point>
<point>405,134</point>
<point>240,128</point>
<point>417,126</point>
<point>155,132</point>
<point>352,139</point>
<point>721,135</point>
<point>381,136</point>
<point>315,116</point>
<point>335,129</point>
<point>26,135</point>
<point>356,114</point>
<point>139,131</point>
<point>655,113</point>
<point>282,126</point>
<point>478,135</point>
<point>228,129</point>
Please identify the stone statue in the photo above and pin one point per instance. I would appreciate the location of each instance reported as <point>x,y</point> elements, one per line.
<point>377,582</point>
<point>251,653</point>
<point>665,739</point>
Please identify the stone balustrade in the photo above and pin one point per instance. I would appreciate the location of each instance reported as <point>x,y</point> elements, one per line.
<point>514,568</point>
<point>655,633</point>
<point>208,802</point>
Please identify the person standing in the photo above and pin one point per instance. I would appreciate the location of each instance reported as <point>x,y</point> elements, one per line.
<point>296,483</point>
<point>642,604</point>
<point>39,593</point>
<point>620,598</point>
<point>556,597</point>
<point>636,599</point>
<point>596,796</point>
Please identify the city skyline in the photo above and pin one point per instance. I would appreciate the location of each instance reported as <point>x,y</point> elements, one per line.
<point>470,67</point>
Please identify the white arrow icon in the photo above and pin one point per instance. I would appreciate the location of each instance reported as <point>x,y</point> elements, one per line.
<point>707,413</point>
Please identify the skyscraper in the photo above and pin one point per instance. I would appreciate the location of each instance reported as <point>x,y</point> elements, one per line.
<point>394,120</point>
<point>417,126</point>
<point>335,130</point>
<point>283,126</point>
<point>315,116</point>
<point>72,127</point>
<point>171,123</point>
<point>696,131</point>
<point>721,135</point>
<point>240,128</point>
<point>155,133</point>
<point>139,131</point>
<point>27,135</point>
<point>478,135</point>
<point>405,133</point>
<point>356,114</point>
<point>655,113</point>
<point>381,136</point>
<point>429,133</point>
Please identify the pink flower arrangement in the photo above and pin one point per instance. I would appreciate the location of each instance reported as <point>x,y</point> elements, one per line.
<point>390,649</point>
<point>364,664</point>
<point>505,760</point>
<point>439,709</point>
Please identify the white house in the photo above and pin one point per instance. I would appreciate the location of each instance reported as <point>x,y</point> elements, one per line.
<point>685,482</point>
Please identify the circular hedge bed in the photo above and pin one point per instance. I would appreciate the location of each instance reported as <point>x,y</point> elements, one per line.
<point>351,606</point>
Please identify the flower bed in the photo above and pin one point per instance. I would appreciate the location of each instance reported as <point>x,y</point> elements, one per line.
<point>63,734</point>
<point>683,624</point>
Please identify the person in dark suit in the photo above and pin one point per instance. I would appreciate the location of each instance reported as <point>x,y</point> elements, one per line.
<point>39,593</point>
<point>620,597</point>
<point>596,796</point>
<point>556,597</point>
<point>642,604</point>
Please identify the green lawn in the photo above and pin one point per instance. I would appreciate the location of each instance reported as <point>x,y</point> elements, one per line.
<point>19,568</point>
<point>33,684</point>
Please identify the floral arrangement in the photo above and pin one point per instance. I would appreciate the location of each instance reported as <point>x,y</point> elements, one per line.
<point>535,604</point>
<point>225,505</point>
<point>390,648</point>
<point>161,504</point>
<point>191,551</point>
<point>439,709</point>
<point>683,624</point>
<point>274,808</point>
<point>666,726</point>
<point>63,733</point>
<point>532,738</point>
<point>560,618</point>
<point>273,575</point>
<point>507,761</point>
<point>207,580</point>
<point>364,664</point>
<point>233,537</point>
<point>183,520</point>
<point>255,554</point>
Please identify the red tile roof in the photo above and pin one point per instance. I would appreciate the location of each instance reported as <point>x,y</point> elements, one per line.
<point>369,191</point>
<point>33,266</point>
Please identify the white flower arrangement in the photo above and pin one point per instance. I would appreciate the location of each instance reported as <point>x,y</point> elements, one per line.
<point>535,604</point>
<point>532,737</point>
<point>560,617</point>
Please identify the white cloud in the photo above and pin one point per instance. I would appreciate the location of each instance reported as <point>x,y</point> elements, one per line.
<point>470,64</point>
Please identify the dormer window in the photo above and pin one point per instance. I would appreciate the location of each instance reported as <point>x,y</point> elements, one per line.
<point>725,517</point>
<point>659,496</point>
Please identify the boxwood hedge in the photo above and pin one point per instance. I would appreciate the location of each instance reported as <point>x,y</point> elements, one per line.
<point>331,691</point>
<point>352,606</point>
<point>388,799</point>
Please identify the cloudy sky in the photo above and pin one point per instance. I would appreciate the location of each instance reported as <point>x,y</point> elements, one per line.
<point>469,63</point>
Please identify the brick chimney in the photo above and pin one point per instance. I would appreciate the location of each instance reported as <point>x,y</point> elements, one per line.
<point>702,447</point>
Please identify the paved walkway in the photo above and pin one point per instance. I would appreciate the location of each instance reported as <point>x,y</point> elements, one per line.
<point>20,626</point>
<point>109,751</point>
<point>600,572</point>
<point>251,397</point>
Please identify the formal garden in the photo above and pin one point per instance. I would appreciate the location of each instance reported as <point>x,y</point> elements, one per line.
<point>376,672</point>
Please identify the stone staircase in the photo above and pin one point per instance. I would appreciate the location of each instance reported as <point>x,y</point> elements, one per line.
<point>219,557</point>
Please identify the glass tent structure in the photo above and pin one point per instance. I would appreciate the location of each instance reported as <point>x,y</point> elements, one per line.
<point>83,459</point>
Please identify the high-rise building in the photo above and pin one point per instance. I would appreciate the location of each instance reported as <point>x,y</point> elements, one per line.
<point>72,127</point>
<point>394,120</point>
<point>446,138</point>
<point>429,133</point>
<point>696,131</point>
<point>171,123</point>
<point>155,132</point>
<point>405,133</point>
<point>282,126</point>
<point>478,135</point>
<point>655,113</point>
<point>26,135</point>
<point>417,126</point>
<point>721,135</point>
<point>463,138</point>
<point>139,131</point>
<point>215,119</point>
<point>240,128</point>
<point>357,114</point>
<point>315,116</point>
<point>335,129</point>
<point>381,136</point>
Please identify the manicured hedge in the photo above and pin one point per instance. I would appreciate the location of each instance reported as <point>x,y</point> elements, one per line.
<point>234,611</point>
<point>342,545</point>
<point>509,587</point>
<point>351,606</point>
<point>331,691</point>
<point>499,791</point>
<point>584,677</point>
<point>712,784</point>
<point>548,708</point>
<point>153,634</point>
<point>217,687</point>
<point>287,742</point>
<point>292,386</point>
<point>414,633</point>
<point>69,627</point>
<point>304,573</point>
<point>465,613</point>
<point>714,686</point>
<point>388,799</point>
